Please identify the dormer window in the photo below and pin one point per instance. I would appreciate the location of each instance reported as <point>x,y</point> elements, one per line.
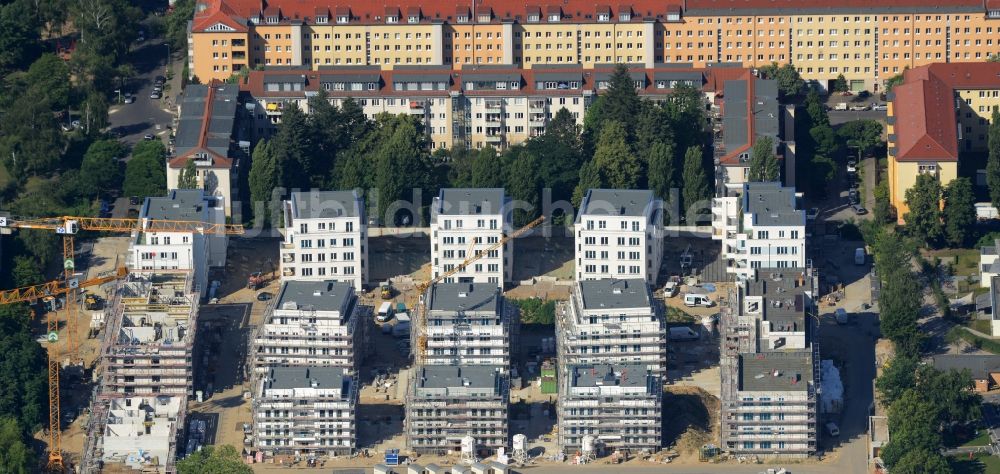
<point>640,84</point>
<point>533,17</point>
<point>413,19</point>
<point>484,18</point>
<point>322,20</point>
<point>674,16</point>
<point>255,19</point>
<point>272,19</point>
<point>993,14</point>
<point>625,16</point>
<point>391,19</point>
<point>462,18</point>
<point>554,17</point>
<point>342,19</point>
<point>603,17</point>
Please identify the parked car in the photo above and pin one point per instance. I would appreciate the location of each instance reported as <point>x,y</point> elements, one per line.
<point>149,136</point>
<point>159,80</point>
<point>128,99</point>
<point>75,123</point>
<point>157,88</point>
<point>859,209</point>
<point>840,106</point>
<point>155,95</point>
<point>853,196</point>
<point>852,166</point>
<point>859,108</point>
<point>264,296</point>
<point>880,107</point>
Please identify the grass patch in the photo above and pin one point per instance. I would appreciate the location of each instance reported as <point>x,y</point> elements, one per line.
<point>676,315</point>
<point>982,439</point>
<point>980,325</point>
<point>536,310</point>
<point>959,333</point>
<point>979,464</point>
<point>966,261</point>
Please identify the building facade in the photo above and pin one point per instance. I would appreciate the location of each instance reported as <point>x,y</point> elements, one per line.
<point>214,133</point>
<point>616,406</point>
<point>467,221</point>
<point>305,411</point>
<point>325,238</point>
<point>619,234</point>
<point>448,403</point>
<point>866,43</point>
<point>938,113</point>
<point>612,321</point>
<point>760,229</point>
<point>465,324</point>
<point>160,249</point>
<point>318,324</point>
<point>770,366</point>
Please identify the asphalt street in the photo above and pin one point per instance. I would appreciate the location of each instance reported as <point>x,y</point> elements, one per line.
<point>132,121</point>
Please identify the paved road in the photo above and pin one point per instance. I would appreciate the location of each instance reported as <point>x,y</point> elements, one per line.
<point>134,120</point>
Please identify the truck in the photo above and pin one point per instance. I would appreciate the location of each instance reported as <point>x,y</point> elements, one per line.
<point>683,333</point>
<point>840,106</point>
<point>402,326</point>
<point>384,312</point>
<point>694,299</point>
<point>986,211</point>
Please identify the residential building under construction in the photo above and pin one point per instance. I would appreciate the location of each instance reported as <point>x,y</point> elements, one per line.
<point>447,403</point>
<point>465,324</point>
<point>770,365</point>
<point>305,411</point>
<point>612,321</point>
<point>604,407</point>
<point>312,324</point>
<point>145,373</point>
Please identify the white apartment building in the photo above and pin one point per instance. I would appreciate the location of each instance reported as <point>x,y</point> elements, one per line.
<point>466,324</point>
<point>760,229</point>
<point>325,238</point>
<point>166,250</point>
<point>619,234</point>
<point>447,403</point>
<point>619,406</point>
<point>465,221</point>
<point>312,323</point>
<point>612,321</point>
<point>306,411</point>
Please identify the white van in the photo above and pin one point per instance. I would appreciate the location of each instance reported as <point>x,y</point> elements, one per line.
<point>694,299</point>
<point>384,312</point>
<point>859,256</point>
<point>832,429</point>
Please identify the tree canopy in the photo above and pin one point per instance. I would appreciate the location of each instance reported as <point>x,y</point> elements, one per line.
<point>993,160</point>
<point>923,221</point>
<point>223,459</point>
<point>959,212</point>
<point>763,161</point>
<point>145,173</point>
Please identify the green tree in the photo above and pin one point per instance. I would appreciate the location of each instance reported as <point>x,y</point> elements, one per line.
<point>893,82</point>
<point>959,211</point>
<point>22,370</point>
<point>863,135</point>
<point>590,178</point>
<point>560,154</point>
<point>176,25</point>
<point>401,161</point>
<point>825,140</point>
<point>883,211</point>
<point>695,181</point>
<point>145,173</point>
<point>763,161</point>
<point>619,103</point>
<point>26,271</point>
<point>617,166</point>
<point>101,170</point>
<point>263,179</point>
<point>223,459</point>
<point>523,183</point>
<point>16,456</point>
<point>898,375</point>
<point>840,84</point>
<point>922,462</point>
<point>950,392</point>
<point>661,168</point>
<point>292,148</point>
<point>487,169</point>
<point>993,162</point>
<point>913,422</point>
<point>19,35</point>
<point>188,177</point>
<point>816,109</point>
<point>923,221</point>
<point>790,83</point>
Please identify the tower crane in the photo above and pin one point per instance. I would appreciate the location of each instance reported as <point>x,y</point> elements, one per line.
<point>422,288</point>
<point>68,226</point>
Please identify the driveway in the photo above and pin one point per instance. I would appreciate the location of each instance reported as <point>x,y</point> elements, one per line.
<point>132,121</point>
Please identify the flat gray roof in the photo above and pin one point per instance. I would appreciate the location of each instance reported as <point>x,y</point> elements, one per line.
<point>177,205</point>
<point>980,366</point>
<point>784,298</point>
<point>326,204</point>
<point>734,115</point>
<point>610,375</point>
<point>610,293</point>
<point>318,295</point>
<point>470,201</point>
<point>304,377</point>
<point>772,204</point>
<point>616,202</point>
<point>995,294</point>
<point>221,122</point>
<point>766,108</point>
<point>776,371</point>
<point>465,297</point>
<point>448,376</point>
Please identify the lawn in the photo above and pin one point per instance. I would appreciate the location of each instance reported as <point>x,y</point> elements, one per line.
<point>967,260</point>
<point>980,464</point>
<point>980,325</point>
<point>982,439</point>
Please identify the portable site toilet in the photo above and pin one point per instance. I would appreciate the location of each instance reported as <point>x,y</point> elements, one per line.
<point>383,469</point>
<point>458,469</point>
<point>499,467</point>
<point>479,468</point>
<point>414,468</point>
<point>392,457</point>
<point>434,469</point>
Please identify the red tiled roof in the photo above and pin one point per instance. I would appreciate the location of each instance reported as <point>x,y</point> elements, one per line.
<point>924,108</point>
<point>826,4</point>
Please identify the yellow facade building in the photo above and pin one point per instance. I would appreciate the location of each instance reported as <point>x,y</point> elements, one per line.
<point>937,114</point>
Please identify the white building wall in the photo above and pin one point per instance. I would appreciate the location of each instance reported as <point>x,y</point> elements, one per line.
<point>325,249</point>
<point>454,238</point>
<point>618,247</point>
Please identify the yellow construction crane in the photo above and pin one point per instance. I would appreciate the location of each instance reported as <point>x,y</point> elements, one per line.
<point>422,288</point>
<point>68,226</point>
